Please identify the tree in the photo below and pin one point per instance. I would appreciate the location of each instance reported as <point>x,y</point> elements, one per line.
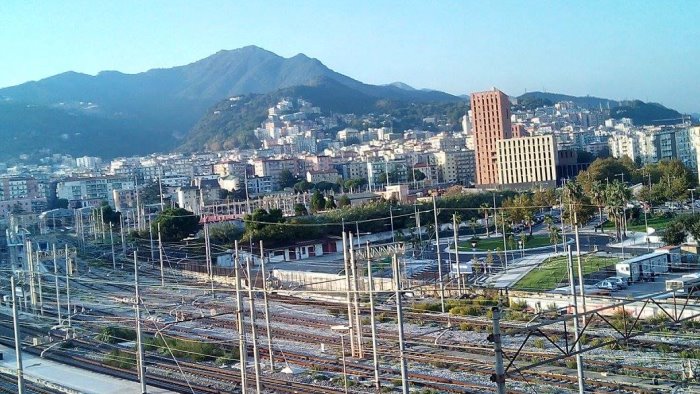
<point>489,260</point>
<point>303,186</point>
<point>61,203</point>
<point>554,236</point>
<point>330,203</point>
<point>544,198</point>
<point>286,179</point>
<point>667,180</point>
<point>344,201</point>
<point>416,176</point>
<point>529,220</point>
<point>598,198</point>
<point>674,234</point>
<point>176,224</point>
<point>617,195</point>
<point>318,202</point>
<point>108,214</point>
<point>224,233</point>
<point>300,209</point>
<point>485,209</point>
<point>150,194</point>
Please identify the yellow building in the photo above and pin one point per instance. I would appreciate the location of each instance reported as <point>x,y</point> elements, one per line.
<point>527,161</point>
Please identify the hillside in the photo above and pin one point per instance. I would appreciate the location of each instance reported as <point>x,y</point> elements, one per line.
<point>161,106</point>
<point>582,101</point>
<point>230,123</point>
<point>643,113</point>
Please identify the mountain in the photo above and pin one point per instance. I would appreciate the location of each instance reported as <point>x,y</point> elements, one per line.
<point>159,107</point>
<point>401,85</point>
<point>640,112</point>
<point>643,113</point>
<point>588,102</point>
<point>230,123</point>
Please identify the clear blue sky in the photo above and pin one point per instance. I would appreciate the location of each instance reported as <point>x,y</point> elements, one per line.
<point>618,49</point>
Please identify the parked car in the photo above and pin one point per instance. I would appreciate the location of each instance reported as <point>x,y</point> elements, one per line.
<point>620,282</point>
<point>607,285</point>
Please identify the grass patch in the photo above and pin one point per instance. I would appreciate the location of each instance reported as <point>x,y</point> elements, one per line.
<point>553,271</point>
<point>655,222</point>
<point>484,244</point>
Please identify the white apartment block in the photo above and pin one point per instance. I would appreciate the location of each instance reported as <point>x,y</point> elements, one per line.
<point>97,188</point>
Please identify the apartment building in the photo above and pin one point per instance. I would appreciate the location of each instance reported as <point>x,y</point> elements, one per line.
<point>491,123</point>
<point>523,162</point>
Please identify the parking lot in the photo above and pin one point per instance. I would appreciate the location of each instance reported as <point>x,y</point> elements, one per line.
<point>641,289</point>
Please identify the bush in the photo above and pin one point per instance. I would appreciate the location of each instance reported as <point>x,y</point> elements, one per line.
<point>427,307</point>
<point>120,359</point>
<point>113,334</point>
<point>518,305</point>
<point>538,343</point>
<point>187,349</point>
<point>466,311</point>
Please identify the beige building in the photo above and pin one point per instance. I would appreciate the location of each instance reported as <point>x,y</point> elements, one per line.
<point>455,166</point>
<point>524,162</point>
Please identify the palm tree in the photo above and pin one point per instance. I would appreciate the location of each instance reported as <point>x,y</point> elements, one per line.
<point>529,218</point>
<point>617,195</point>
<point>554,237</point>
<point>472,224</point>
<point>485,209</point>
<point>598,194</point>
<point>573,193</point>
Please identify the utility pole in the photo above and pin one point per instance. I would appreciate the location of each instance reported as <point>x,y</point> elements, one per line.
<point>399,317</point>
<point>139,339</point>
<point>55,280</point>
<point>68,274</point>
<point>579,360</point>
<point>30,266</point>
<point>375,356</point>
<point>582,290</point>
<point>111,241</point>
<point>356,298</point>
<point>267,307</point>
<point>505,245</point>
<point>150,235</point>
<point>439,259</point>
<point>420,232</point>
<point>242,348</point>
<point>160,255</point>
<point>456,236</point>
<point>38,280</point>
<point>207,250</point>
<point>348,298</point>
<point>121,230</point>
<point>253,330</point>
<point>18,348</point>
<point>500,376</point>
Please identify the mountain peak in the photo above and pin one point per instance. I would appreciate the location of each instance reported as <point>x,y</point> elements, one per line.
<point>401,85</point>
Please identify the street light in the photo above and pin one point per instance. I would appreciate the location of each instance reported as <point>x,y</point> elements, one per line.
<point>520,245</point>
<point>474,256</point>
<point>342,330</point>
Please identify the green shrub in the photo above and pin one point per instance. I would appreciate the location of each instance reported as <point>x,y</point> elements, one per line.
<point>538,343</point>
<point>112,334</point>
<point>120,359</point>
<point>427,307</point>
<point>466,311</point>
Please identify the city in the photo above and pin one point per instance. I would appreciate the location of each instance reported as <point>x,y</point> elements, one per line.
<point>251,222</point>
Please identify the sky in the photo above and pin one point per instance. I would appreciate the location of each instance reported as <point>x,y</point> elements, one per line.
<point>647,50</point>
